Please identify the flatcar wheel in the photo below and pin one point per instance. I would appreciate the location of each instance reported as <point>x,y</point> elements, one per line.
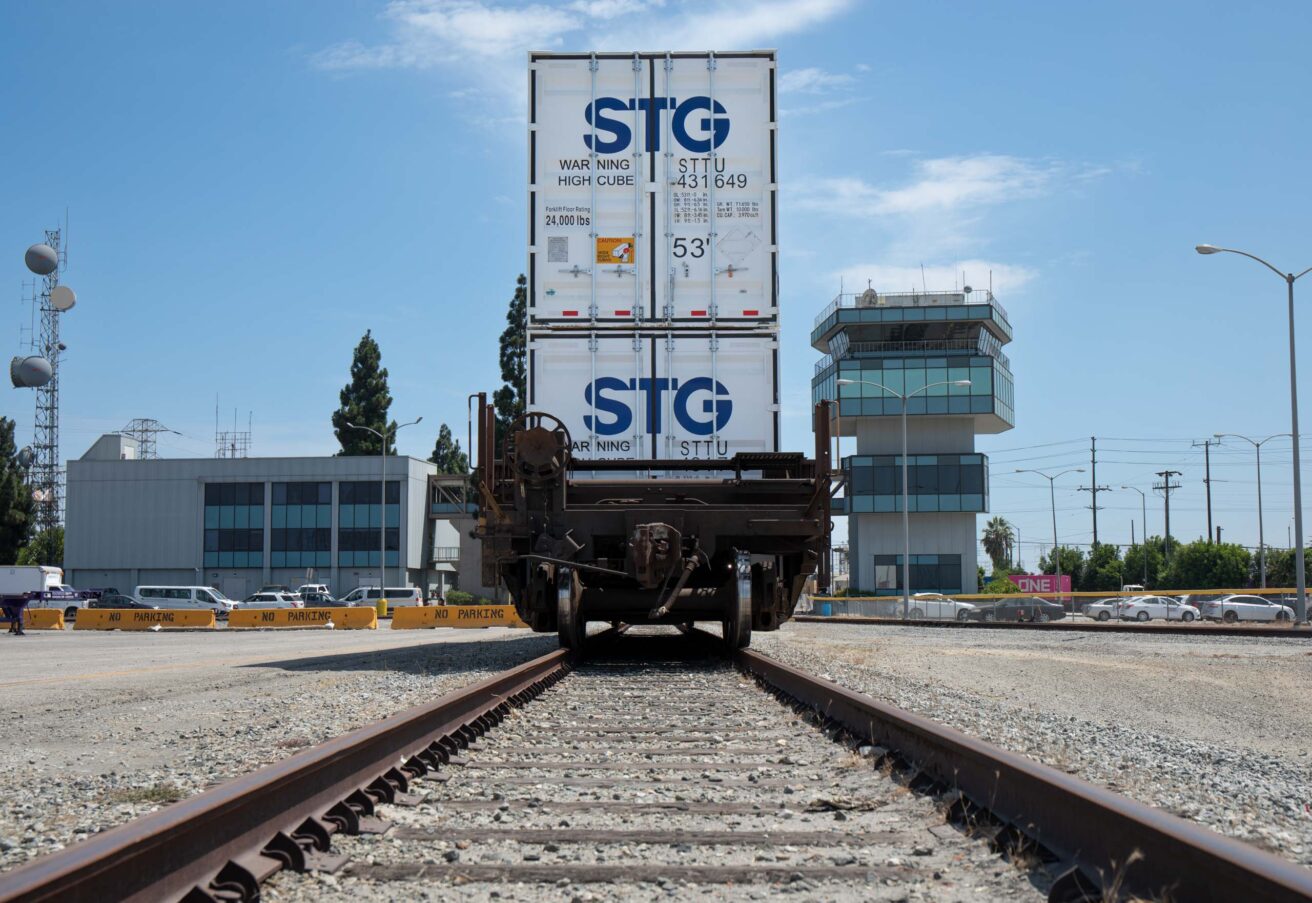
<point>569,621</point>
<point>738,619</point>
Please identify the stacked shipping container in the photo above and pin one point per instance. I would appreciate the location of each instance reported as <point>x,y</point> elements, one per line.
<point>653,252</point>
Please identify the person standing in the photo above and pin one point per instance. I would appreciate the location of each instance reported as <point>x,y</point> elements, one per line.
<point>14,612</point>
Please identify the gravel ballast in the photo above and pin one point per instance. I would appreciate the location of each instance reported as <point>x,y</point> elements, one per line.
<point>1215,730</point>
<point>101,728</point>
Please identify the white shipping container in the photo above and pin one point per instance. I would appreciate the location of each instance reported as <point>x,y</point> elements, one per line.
<point>678,222</point>
<point>645,394</point>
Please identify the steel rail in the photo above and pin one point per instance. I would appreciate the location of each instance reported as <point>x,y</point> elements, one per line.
<point>1197,630</point>
<point>218,845</point>
<point>1116,846</point>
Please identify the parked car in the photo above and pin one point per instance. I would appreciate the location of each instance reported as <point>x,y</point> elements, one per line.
<point>396,596</point>
<point>936,605</point>
<point>1145,608</point>
<point>275,588</point>
<point>117,600</point>
<point>97,591</point>
<point>1020,608</point>
<point>66,600</point>
<point>272,600</point>
<point>206,598</point>
<point>306,589</point>
<point>322,600</point>
<point>1238,607</point>
<point>1106,609</point>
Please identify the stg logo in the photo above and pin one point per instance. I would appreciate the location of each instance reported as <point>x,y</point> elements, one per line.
<point>616,134</point>
<point>717,405</point>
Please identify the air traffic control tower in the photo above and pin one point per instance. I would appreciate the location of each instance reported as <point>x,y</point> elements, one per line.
<point>877,348</point>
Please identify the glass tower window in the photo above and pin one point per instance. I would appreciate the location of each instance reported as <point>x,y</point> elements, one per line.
<point>359,520</point>
<point>934,483</point>
<point>301,525</point>
<point>234,525</point>
<point>929,574</point>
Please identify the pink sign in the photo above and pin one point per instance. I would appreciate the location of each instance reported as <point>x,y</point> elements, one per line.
<point>1040,583</point>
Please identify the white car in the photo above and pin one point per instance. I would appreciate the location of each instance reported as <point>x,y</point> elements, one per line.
<point>273,600</point>
<point>936,605</point>
<point>1106,609</point>
<point>1145,608</point>
<point>1245,608</point>
<point>396,596</point>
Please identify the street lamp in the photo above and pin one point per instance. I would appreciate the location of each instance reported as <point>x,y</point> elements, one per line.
<point>1300,604</point>
<point>906,517</point>
<point>1143,500</point>
<point>382,507</point>
<point>1052,495</point>
<point>1261,540</point>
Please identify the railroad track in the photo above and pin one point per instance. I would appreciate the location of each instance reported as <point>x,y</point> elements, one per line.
<point>635,771</point>
<point>1148,629</point>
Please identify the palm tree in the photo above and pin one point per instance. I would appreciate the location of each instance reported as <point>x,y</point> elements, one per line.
<point>998,540</point>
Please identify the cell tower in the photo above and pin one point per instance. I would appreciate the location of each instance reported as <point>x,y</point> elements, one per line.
<point>47,477</point>
<point>231,443</point>
<point>144,430</point>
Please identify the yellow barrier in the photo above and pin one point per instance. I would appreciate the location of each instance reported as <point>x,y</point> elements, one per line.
<point>40,619</point>
<point>43,619</point>
<point>141,619</point>
<point>416,618</point>
<point>339,618</point>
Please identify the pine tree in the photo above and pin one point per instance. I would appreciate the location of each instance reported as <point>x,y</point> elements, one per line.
<point>365,402</point>
<point>510,398</point>
<point>17,509</point>
<point>447,454</point>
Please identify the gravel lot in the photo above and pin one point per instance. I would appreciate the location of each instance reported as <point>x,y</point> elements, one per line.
<point>100,728</point>
<point>1216,730</point>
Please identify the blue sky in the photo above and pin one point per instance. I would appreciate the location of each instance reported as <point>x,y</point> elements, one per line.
<point>253,185</point>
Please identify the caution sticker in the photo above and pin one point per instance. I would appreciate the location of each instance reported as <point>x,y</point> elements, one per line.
<point>615,250</point>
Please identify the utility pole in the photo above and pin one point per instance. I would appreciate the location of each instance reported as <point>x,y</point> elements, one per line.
<point>1093,488</point>
<point>1166,486</point>
<point>1207,479</point>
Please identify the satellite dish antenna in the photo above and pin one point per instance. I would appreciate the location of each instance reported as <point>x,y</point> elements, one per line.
<point>41,259</point>
<point>30,372</point>
<point>26,457</point>
<point>62,298</point>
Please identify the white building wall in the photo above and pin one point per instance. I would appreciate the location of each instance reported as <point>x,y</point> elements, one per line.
<point>931,533</point>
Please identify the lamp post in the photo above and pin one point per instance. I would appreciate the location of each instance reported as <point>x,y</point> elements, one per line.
<point>1143,500</point>
<point>906,516</point>
<point>1257,445</point>
<point>382,506</point>
<point>1052,496</point>
<point>1300,604</point>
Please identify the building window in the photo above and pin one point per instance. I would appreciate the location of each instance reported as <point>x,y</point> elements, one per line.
<point>234,525</point>
<point>301,521</point>
<point>359,520</point>
<point>929,574</point>
<point>934,483</point>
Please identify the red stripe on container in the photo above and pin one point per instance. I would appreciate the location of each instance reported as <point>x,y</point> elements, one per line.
<point>751,313</point>
<point>569,313</point>
<point>699,313</point>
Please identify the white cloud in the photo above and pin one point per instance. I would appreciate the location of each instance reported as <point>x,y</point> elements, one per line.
<point>939,185</point>
<point>434,33</point>
<point>811,81</point>
<point>1006,278</point>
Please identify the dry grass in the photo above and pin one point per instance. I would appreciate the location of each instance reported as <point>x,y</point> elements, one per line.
<point>160,794</point>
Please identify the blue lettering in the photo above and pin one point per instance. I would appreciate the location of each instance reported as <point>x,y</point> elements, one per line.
<point>623,134</point>
<point>622,413</point>
<point>621,131</point>
<point>720,410</point>
<point>680,126</point>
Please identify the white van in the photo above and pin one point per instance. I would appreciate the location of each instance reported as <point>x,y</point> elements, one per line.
<point>202,597</point>
<point>396,596</point>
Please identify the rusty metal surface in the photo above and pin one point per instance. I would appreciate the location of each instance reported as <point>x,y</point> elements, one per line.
<point>1099,831</point>
<point>241,829</point>
<point>1149,629</point>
